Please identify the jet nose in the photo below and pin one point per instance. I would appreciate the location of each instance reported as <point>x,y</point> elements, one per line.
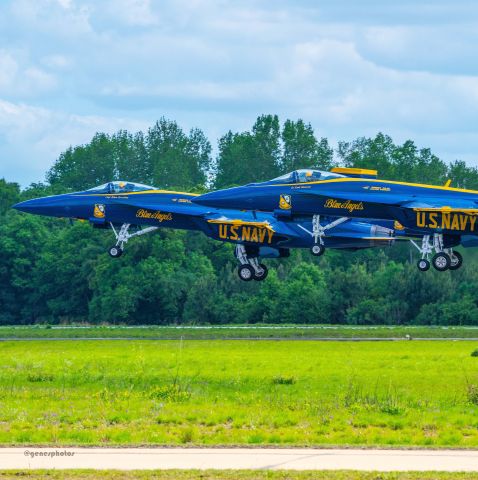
<point>207,199</point>
<point>29,206</point>
<point>235,197</point>
<point>55,206</point>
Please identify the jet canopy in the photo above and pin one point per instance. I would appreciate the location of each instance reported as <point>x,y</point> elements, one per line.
<point>120,187</point>
<point>305,175</point>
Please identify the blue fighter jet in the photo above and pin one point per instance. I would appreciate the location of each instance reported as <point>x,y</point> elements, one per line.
<point>132,209</point>
<point>441,216</point>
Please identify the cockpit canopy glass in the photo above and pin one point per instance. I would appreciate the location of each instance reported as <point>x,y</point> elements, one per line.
<point>120,187</point>
<point>305,175</point>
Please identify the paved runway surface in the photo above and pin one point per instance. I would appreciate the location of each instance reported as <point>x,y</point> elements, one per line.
<point>238,458</point>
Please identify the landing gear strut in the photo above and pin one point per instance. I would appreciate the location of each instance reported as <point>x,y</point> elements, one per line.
<point>123,236</point>
<point>444,258</point>
<point>318,233</point>
<point>250,268</point>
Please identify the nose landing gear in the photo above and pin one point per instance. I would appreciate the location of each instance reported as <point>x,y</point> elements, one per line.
<point>115,251</point>
<point>122,237</point>
<point>319,231</point>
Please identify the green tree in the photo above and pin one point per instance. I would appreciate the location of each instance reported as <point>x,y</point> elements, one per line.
<point>63,270</point>
<point>21,240</point>
<point>250,156</point>
<point>9,194</point>
<point>85,166</point>
<point>462,176</point>
<point>301,148</point>
<point>177,160</point>
<point>131,159</point>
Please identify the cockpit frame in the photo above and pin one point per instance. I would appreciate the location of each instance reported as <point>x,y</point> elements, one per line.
<point>119,186</point>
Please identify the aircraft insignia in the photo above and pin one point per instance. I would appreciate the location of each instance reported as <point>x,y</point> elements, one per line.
<point>285,202</point>
<point>99,211</point>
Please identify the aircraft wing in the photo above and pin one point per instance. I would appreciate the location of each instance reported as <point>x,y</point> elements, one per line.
<point>241,222</point>
<point>213,217</point>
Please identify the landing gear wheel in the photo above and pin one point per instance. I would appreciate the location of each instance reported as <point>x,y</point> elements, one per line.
<point>441,262</point>
<point>115,251</point>
<point>263,275</point>
<point>423,265</point>
<point>456,261</point>
<point>317,250</point>
<point>246,273</point>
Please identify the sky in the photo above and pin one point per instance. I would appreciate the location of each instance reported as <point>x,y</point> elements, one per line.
<point>70,68</point>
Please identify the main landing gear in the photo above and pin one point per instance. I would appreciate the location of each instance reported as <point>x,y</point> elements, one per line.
<point>249,268</point>
<point>318,233</point>
<point>122,237</point>
<point>444,258</point>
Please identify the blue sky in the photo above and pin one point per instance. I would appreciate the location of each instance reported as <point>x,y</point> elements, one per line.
<point>69,68</point>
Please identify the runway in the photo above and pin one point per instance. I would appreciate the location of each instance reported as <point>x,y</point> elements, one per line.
<point>239,458</point>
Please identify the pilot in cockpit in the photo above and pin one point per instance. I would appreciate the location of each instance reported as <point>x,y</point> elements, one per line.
<point>308,175</point>
<point>118,187</point>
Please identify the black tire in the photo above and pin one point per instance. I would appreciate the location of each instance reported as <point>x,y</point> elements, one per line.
<point>115,252</point>
<point>259,278</point>
<point>423,265</point>
<point>441,262</point>
<point>317,250</point>
<point>456,261</point>
<point>246,273</point>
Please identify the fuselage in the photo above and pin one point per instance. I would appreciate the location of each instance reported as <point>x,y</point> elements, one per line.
<point>177,210</point>
<point>408,203</point>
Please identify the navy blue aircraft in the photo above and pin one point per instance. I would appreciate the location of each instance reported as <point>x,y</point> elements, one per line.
<point>441,216</point>
<point>132,209</point>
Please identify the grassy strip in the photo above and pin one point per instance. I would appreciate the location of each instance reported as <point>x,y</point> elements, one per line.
<point>239,393</point>
<point>229,475</point>
<point>238,331</point>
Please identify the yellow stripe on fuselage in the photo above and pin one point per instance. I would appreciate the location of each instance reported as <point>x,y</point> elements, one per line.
<point>370,180</point>
<point>470,211</point>
<point>146,192</point>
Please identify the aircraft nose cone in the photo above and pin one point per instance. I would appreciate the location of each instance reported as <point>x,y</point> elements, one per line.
<point>236,197</point>
<point>55,206</point>
<point>28,206</point>
<point>208,199</point>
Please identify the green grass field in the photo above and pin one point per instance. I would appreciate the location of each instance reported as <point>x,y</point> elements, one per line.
<point>236,331</point>
<point>229,475</point>
<point>239,393</point>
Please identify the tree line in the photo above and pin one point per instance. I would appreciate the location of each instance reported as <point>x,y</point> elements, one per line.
<point>53,271</point>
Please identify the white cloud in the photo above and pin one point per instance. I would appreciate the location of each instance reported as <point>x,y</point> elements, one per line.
<point>57,62</point>
<point>133,12</point>
<point>33,137</point>
<point>16,79</point>
<point>72,67</point>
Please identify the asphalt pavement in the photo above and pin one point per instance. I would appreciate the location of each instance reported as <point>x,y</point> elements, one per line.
<point>239,458</point>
